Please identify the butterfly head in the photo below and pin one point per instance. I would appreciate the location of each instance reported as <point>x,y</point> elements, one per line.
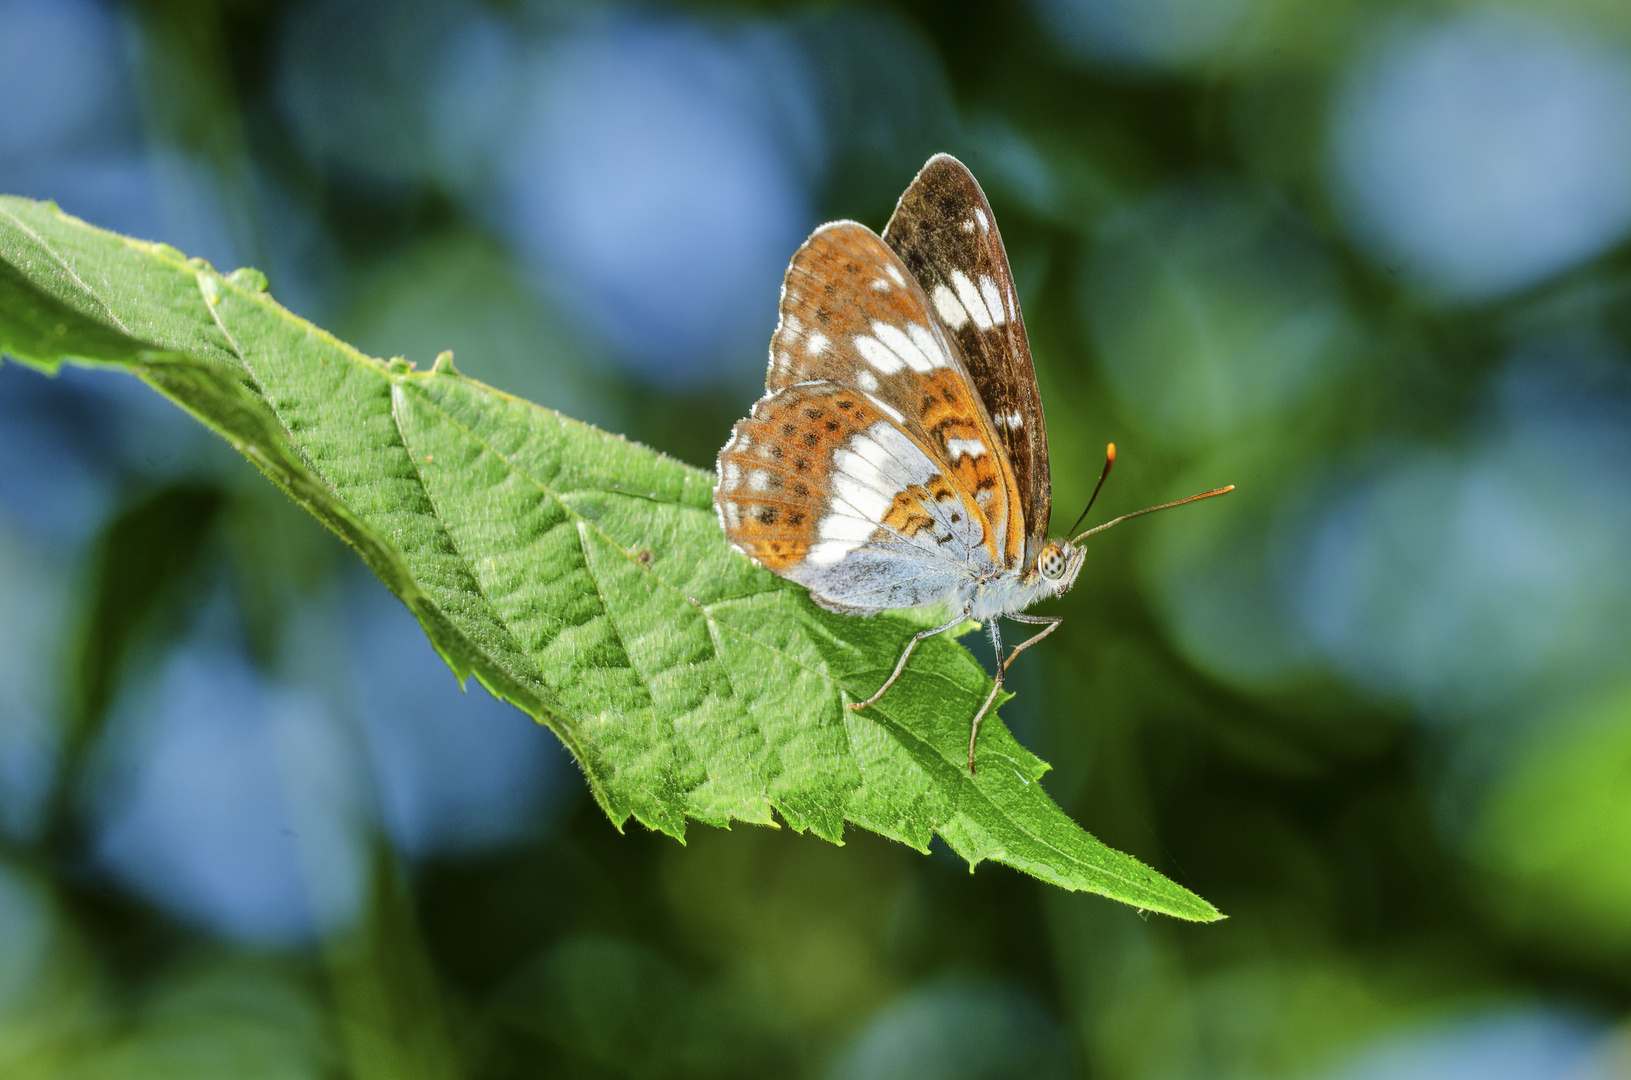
<point>1057,565</point>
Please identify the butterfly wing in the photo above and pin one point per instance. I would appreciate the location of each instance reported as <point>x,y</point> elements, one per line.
<point>870,472</point>
<point>945,233</point>
<point>820,485</point>
<point>851,314</point>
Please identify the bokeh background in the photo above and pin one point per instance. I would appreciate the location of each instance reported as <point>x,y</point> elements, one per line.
<point>1367,260</point>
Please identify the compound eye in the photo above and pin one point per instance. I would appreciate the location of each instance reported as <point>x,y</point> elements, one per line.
<point>1051,562</point>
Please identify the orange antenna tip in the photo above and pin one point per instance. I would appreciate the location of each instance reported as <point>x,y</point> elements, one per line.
<point>1109,460</point>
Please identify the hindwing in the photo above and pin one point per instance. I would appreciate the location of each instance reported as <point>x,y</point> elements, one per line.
<point>821,485</point>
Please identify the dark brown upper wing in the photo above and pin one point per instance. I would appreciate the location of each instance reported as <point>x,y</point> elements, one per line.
<point>945,233</point>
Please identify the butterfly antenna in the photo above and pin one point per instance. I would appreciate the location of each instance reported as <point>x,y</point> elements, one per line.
<point>1152,509</point>
<point>1109,460</point>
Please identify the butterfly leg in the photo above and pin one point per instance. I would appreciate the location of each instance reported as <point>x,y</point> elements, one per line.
<point>996,687</point>
<point>900,665</point>
<point>1052,622</point>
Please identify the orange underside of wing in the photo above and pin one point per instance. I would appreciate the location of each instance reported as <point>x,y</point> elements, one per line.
<point>842,284</point>
<point>776,475</point>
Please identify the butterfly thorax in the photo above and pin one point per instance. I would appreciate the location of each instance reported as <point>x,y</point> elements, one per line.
<point>1052,573</point>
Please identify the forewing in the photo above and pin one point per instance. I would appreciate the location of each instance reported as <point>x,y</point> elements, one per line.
<point>821,485</point>
<point>944,232</point>
<point>853,316</point>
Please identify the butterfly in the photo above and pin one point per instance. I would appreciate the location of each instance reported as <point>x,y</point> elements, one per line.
<point>899,457</point>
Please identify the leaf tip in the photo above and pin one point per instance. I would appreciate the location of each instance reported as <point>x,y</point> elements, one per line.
<point>1211,914</point>
<point>1197,910</point>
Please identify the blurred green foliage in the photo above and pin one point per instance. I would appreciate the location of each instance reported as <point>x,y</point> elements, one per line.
<point>1405,782</point>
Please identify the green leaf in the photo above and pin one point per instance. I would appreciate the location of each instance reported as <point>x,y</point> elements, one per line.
<point>578,575</point>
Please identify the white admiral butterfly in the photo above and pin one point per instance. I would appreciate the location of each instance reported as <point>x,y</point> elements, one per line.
<point>899,457</point>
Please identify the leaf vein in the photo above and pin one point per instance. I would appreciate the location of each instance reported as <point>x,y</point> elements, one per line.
<point>49,250</point>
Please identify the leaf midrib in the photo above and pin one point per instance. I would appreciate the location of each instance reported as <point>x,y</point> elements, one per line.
<point>566,725</point>
<point>581,523</point>
<point>71,272</point>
